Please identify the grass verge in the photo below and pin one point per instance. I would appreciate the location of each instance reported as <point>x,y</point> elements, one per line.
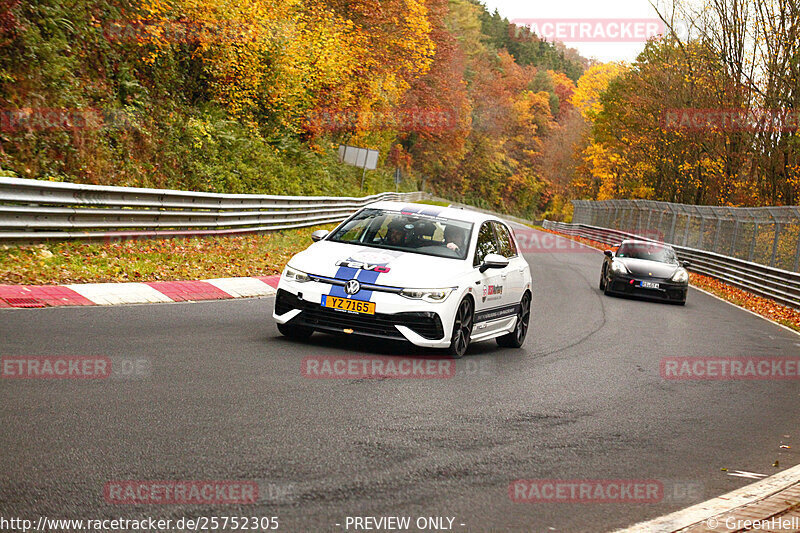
<point>152,260</point>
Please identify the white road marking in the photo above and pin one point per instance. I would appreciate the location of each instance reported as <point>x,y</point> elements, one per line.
<point>749,475</point>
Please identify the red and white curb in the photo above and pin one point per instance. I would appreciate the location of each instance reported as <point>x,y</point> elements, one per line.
<point>136,293</point>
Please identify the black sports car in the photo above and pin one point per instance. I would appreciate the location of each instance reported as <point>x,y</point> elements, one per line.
<point>647,269</point>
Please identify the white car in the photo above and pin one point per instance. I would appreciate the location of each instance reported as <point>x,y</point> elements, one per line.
<point>435,276</point>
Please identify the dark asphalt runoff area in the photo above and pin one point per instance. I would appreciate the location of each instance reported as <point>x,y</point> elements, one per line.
<point>221,396</point>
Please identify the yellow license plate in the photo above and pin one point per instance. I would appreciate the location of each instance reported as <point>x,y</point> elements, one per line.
<point>345,304</point>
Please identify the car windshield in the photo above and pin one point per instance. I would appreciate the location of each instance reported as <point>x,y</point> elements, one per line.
<point>648,251</point>
<point>414,233</point>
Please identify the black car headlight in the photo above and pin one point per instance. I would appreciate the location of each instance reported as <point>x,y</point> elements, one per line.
<point>680,276</point>
<point>618,268</point>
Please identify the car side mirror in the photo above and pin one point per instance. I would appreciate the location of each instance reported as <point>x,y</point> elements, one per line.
<point>608,253</point>
<point>493,261</point>
<point>686,264</point>
<point>319,235</point>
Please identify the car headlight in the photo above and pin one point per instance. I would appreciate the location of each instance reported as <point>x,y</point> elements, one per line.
<point>680,276</point>
<point>618,268</point>
<point>428,295</point>
<point>292,274</point>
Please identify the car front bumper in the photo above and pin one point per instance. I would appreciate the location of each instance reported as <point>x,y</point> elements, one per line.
<point>396,317</point>
<point>667,290</point>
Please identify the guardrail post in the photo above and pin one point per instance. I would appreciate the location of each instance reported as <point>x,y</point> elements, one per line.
<point>797,255</point>
<point>752,251</point>
<point>638,220</point>
<point>686,232</point>
<point>672,227</point>
<point>775,244</point>
<point>735,235</point>
<point>660,219</point>
<point>702,232</point>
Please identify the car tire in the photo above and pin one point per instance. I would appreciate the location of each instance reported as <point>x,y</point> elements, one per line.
<point>606,290</point>
<point>516,338</point>
<point>295,332</point>
<point>602,280</point>
<point>462,328</point>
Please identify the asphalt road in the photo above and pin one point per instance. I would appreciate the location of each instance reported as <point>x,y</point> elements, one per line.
<point>223,398</point>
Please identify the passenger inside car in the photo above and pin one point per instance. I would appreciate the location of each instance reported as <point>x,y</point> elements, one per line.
<point>455,238</point>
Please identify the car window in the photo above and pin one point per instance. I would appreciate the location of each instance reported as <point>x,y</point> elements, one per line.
<point>507,247</point>
<point>487,243</point>
<point>648,251</point>
<point>406,232</point>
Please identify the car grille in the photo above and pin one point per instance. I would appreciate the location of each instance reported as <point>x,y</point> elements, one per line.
<point>425,324</point>
<point>668,293</point>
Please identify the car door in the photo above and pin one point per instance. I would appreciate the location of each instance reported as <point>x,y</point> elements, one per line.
<point>513,275</point>
<point>490,286</point>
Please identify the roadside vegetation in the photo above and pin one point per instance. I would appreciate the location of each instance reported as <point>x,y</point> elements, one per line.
<point>255,96</point>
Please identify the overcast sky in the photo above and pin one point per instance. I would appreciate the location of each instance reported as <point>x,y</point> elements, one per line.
<point>582,9</point>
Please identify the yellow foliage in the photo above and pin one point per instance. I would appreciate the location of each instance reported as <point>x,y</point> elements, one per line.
<point>591,85</point>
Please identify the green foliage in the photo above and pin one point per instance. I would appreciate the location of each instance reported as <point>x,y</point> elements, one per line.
<point>527,48</point>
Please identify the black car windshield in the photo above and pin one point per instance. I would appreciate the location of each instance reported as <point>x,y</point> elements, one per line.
<point>648,251</point>
<point>393,230</point>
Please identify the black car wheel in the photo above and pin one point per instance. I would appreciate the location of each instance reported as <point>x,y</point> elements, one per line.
<point>603,280</point>
<point>516,338</point>
<point>606,285</point>
<point>462,329</point>
<point>295,332</point>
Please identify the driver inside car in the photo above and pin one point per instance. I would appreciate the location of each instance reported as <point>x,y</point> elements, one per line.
<point>396,234</point>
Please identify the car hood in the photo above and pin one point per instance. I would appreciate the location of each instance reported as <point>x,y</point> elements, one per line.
<point>644,268</point>
<point>395,268</point>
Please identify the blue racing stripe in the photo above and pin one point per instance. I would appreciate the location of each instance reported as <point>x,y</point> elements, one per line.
<point>363,276</point>
<point>345,273</point>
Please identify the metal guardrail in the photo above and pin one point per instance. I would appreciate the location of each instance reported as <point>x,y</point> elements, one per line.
<point>782,286</point>
<point>765,235</point>
<point>34,210</point>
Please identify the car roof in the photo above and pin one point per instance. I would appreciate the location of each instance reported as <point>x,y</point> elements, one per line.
<point>454,213</point>
<point>639,241</point>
